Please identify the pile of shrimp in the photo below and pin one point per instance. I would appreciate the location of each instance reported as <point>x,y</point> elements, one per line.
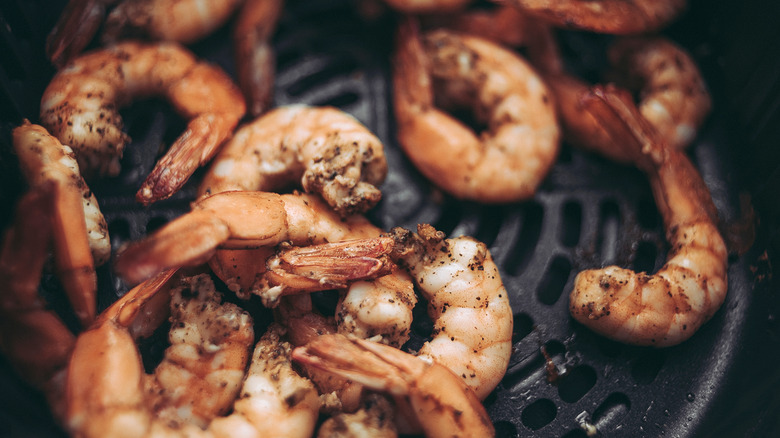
<point>298,370</point>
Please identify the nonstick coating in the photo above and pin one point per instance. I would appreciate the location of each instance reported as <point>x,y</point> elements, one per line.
<point>588,213</point>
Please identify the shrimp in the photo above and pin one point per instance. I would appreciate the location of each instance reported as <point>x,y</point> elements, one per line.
<point>374,418</point>
<point>183,21</point>
<point>468,303</point>
<point>197,382</point>
<point>673,94</point>
<point>255,58</point>
<point>33,339</point>
<point>80,107</point>
<point>328,150</point>
<point>79,230</point>
<point>668,307</point>
<point>619,17</point>
<point>249,220</point>
<point>440,401</point>
<point>509,160</point>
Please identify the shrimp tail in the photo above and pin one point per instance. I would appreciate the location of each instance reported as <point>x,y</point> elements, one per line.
<point>411,80</point>
<point>167,248</point>
<point>330,265</point>
<point>255,58</point>
<point>196,146</point>
<point>77,25</point>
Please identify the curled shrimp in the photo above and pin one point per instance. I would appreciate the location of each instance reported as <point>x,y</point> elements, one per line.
<point>79,230</point>
<point>468,303</point>
<point>80,107</point>
<point>199,379</point>
<point>440,401</point>
<point>665,308</point>
<point>673,96</point>
<point>33,339</point>
<point>77,25</point>
<point>327,150</point>
<point>255,58</point>
<point>620,17</point>
<point>509,160</point>
<point>183,21</point>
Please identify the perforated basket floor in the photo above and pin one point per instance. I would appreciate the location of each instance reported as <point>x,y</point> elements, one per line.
<point>588,213</point>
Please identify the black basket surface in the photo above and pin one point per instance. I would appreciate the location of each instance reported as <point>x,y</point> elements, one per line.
<point>588,213</point>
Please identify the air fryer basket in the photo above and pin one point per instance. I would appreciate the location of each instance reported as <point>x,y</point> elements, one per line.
<point>588,213</point>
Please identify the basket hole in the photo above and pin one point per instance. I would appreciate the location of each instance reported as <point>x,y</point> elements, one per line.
<point>644,260</point>
<point>611,411</point>
<point>645,368</point>
<point>647,214</point>
<point>577,383</point>
<point>505,429</point>
<point>343,100</point>
<point>530,231</point>
<point>490,221</point>
<point>572,223</point>
<point>609,227</point>
<point>539,414</point>
<point>554,281</point>
<point>522,327</point>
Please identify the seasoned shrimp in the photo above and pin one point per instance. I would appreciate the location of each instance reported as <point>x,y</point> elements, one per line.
<point>327,150</point>
<point>197,382</point>
<point>509,160</point>
<point>374,418</point>
<point>673,96</point>
<point>665,308</point>
<point>440,401</point>
<point>183,21</point>
<point>620,17</point>
<point>472,333</point>
<point>79,230</point>
<point>255,58</point>
<point>33,339</point>
<point>80,107</point>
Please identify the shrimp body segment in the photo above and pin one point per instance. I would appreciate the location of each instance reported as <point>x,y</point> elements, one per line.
<point>665,308</point>
<point>467,301</point>
<point>620,17</point>
<point>510,158</point>
<point>81,108</point>
<point>673,96</point>
<point>440,401</point>
<point>80,232</point>
<point>325,149</point>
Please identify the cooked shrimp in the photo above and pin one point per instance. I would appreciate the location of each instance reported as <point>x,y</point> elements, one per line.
<point>43,158</point>
<point>79,229</point>
<point>439,400</point>
<point>509,160</point>
<point>33,339</point>
<point>665,308</point>
<point>621,17</point>
<point>472,333</point>
<point>77,25</point>
<point>246,220</point>
<point>374,419</point>
<point>183,21</point>
<point>255,58</point>
<point>327,150</point>
<point>673,96</point>
<point>198,380</point>
<point>80,107</point>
